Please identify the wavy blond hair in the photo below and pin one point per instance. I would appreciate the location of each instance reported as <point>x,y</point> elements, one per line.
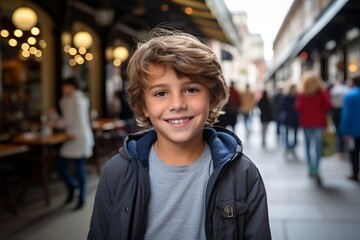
<point>187,56</point>
<point>311,84</point>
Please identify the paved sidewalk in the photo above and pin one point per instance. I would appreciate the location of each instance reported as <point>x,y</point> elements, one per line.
<point>299,209</point>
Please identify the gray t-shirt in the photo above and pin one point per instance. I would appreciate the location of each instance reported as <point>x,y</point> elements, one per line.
<point>177,202</point>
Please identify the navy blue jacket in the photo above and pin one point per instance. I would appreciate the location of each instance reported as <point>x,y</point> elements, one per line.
<point>236,204</point>
<point>289,116</point>
<point>350,114</point>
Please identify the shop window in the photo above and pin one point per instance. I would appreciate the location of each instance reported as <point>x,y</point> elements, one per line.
<point>20,81</point>
<point>353,61</point>
<point>335,67</point>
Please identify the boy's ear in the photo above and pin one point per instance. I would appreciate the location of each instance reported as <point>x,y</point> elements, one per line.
<point>145,111</point>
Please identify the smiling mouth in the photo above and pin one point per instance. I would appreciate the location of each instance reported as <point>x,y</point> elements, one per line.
<point>179,121</point>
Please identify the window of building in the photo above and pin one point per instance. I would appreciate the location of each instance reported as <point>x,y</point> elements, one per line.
<point>353,61</point>
<point>20,81</point>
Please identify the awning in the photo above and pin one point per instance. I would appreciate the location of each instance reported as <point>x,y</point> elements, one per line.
<point>321,27</point>
<point>208,19</point>
<point>223,16</point>
<point>213,18</point>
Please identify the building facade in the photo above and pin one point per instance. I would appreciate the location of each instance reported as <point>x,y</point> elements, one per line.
<point>246,66</point>
<point>320,36</point>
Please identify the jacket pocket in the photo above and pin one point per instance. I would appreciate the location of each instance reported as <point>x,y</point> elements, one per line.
<point>230,219</point>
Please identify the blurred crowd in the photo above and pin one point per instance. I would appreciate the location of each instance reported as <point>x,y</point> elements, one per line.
<point>326,112</point>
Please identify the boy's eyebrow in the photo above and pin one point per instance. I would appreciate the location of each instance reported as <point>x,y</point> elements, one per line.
<point>160,85</point>
<point>157,86</point>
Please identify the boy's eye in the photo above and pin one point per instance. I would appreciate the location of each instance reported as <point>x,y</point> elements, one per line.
<point>160,94</point>
<point>192,90</point>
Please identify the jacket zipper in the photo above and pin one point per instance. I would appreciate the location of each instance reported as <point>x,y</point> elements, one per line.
<point>209,189</point>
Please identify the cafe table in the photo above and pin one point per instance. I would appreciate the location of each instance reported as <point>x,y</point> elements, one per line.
<point>9,150</point>
<point>45,143</point>
<point>107,124</point>
<point>101,128</point>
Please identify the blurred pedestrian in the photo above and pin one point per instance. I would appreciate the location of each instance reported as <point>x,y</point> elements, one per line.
<point>290,119</point>
<point>247,106</point>
<point>126,112</point>
<point>266,115</point>
<point>115,105</point>
<point>350,125</point>
<point>313,105</point>
<point>232,108</point>
<point>75,120</point>
<point>337,92</point>
<point>277,99</point>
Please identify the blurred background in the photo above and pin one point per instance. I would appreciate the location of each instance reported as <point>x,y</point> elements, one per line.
<point>260,43</point>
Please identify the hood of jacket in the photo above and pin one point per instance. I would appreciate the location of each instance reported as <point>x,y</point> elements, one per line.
<point>222,142</point>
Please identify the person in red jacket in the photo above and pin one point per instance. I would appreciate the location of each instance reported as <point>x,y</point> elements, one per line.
<point>313,105</point>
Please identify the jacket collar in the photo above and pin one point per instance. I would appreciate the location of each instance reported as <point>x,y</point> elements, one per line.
<point>222,142</point>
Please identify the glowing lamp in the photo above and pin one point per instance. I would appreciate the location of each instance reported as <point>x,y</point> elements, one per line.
<point>82,39</point>
<point>24,18</point>
<point>121,53</point>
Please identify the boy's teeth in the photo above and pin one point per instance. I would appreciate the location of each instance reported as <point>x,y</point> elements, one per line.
<point>178,121</point>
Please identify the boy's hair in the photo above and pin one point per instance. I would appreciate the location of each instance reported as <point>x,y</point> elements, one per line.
<point>70,81</point>
<point>187,56</point>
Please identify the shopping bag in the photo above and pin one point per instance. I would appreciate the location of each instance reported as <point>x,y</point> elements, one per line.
<point>329,139</point>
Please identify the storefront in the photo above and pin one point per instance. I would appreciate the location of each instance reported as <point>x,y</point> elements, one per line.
<point>330,47</point>
<point>27,64</point>
<point>87,39</point>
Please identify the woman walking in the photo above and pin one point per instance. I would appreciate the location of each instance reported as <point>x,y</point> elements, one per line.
<point>313,105</point>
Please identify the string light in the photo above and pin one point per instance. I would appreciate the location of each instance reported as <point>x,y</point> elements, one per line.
<point>25,37</point>
<point>79,53</point>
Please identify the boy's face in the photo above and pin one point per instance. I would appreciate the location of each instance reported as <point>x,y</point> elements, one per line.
<point>177,108</point>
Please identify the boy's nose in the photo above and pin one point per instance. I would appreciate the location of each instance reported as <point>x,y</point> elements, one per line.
<point>177,103</point>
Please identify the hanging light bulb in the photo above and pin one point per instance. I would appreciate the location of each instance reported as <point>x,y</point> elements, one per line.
<point>24,18</point>
<point>82,39</point>
<point>121,53</point>
<point>66,38</point>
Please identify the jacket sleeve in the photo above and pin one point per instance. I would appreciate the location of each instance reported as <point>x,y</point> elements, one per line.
<point>100,219</point>
<point>345,117</point>
<point>257,219</point>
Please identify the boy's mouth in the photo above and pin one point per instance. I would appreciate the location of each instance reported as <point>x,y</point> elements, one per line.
<point>179,121</point>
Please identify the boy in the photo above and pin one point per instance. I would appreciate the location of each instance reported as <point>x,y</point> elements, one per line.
<point>180,179</point>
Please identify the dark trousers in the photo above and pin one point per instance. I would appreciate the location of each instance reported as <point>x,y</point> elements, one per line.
<point>76,179</point>
<point>354,156</point>
<point>290,142</point>
<point>247,121</point>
